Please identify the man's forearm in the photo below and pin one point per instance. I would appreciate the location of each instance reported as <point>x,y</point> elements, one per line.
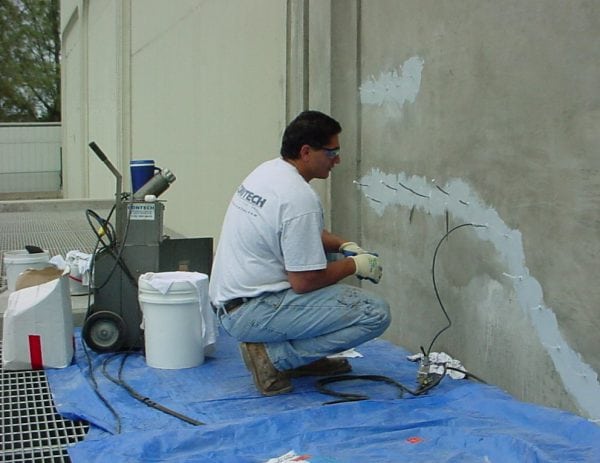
<point>303,282</point>
<point>331,242</point>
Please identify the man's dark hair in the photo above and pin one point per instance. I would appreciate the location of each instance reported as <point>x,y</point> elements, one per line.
<point>311,128</point>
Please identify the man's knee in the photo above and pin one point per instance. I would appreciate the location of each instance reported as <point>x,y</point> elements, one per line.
<point>381,309</point>
<point>378,314</point>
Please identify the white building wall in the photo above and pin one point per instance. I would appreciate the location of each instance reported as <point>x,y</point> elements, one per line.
<point>198,86</point>
<point>102,84</point>
<point>30,157</point>
<point>74,99</point>
<point>208,98</point>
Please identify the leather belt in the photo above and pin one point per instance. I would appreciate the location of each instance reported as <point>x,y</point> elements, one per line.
<point>233,304</point>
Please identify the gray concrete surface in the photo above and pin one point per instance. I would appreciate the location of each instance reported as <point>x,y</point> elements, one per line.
<point>488,112</point>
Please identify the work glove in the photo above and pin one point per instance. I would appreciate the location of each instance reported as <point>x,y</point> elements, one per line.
<point>367,267</point>
<point>350,248</point>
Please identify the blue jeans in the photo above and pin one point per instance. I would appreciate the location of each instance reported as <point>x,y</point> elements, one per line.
<point>297,329</point>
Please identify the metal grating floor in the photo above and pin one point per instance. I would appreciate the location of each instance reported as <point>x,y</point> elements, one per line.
<point>31,429</point>
<point>56,231</point>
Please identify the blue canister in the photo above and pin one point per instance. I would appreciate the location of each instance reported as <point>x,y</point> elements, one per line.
<point>142,170</point>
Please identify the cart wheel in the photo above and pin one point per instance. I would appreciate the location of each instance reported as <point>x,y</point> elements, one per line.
<point>104,331</point>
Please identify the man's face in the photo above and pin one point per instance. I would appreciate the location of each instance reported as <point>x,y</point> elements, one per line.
<point>324,158</point>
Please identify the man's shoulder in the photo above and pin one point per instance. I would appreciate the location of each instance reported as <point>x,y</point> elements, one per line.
<point>275,174</point>
<point>280,182</point>
<point>276,164</point>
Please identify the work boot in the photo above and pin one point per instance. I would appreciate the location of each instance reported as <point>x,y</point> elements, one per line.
<point>268,380</point>
<point>322,367</point>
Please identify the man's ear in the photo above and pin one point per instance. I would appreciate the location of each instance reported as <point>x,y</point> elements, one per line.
<point>304,152</point>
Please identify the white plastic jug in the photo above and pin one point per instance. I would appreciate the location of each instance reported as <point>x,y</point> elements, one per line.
<point>38,324</point>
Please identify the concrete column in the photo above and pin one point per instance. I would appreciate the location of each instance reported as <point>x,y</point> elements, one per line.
<point>123,134</point>
<point>345,105</point>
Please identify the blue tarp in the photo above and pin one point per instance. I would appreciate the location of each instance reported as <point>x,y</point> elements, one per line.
<point>457,421</point>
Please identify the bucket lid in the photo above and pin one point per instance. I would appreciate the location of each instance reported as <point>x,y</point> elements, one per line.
<point>164,282</point>
<point>21,256</point>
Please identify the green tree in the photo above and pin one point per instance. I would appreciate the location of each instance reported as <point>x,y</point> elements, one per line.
<point>29,60</point>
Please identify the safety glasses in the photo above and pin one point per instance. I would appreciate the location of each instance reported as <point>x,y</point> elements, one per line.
<point>331,152</point>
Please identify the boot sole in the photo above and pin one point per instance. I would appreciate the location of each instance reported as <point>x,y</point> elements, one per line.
<point>338,371</point>
<point>342,368</point>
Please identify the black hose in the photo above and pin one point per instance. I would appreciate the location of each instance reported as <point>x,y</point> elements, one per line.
<point>437,294</point>
<point>133,393</point>
<point>351,397</point>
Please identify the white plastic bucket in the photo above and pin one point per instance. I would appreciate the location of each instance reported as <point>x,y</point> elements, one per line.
<point>18,261</point>
<point>172,324</point>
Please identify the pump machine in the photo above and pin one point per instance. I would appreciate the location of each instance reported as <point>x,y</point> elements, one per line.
<point>134,246</point>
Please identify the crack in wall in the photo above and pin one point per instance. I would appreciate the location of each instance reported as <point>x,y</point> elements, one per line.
<point>457,197</point>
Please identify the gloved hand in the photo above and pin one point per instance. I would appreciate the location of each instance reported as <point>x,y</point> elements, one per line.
<point>350,248</point>
<point>367,267</point>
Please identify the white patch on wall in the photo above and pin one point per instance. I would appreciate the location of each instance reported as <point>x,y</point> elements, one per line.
<point>396,87</point>
<point>382,190</point>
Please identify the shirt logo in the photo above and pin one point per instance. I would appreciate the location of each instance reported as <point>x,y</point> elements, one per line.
<point>253,198</point>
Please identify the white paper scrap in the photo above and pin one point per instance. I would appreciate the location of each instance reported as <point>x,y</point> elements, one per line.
<point>289,457</point>
<point>439,360</point>
<point>349,354</point>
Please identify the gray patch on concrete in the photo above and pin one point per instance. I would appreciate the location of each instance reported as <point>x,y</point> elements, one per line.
<point>394,87</point>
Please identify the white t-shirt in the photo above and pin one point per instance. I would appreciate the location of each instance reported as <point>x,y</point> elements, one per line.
<point>273,224</point>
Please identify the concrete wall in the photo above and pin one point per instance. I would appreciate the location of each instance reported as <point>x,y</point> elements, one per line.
<point>453,112</point>
<point>489,113</point>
